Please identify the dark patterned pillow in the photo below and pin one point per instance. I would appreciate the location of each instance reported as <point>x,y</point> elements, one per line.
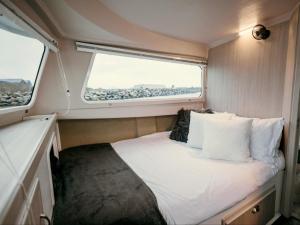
<point>181,129</point>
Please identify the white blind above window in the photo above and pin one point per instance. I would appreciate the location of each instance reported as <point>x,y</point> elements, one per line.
<point>14,20</point>
<point>102,48</point>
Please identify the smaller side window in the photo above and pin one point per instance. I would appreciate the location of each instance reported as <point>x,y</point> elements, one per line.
<point>20,60</point>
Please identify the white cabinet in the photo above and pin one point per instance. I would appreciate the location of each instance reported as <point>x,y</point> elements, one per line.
<point>45,177</point>
<point>29,194</point>
<point>33,207</point>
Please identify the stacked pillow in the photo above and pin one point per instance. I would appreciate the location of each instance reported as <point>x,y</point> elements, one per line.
<point>265,138</point>
<point>197,121</point>
<point>229,137</point>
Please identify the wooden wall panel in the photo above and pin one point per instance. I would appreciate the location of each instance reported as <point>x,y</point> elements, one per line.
<point>81,132</point>
<point>291,109</point>
<point>246,76</point>
<point>145,125</point>
<point>289,73</point>
<point>165,123</point>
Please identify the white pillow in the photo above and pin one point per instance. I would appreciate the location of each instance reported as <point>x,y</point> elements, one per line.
<point>224,114</point>
<point>265,138</point>
<point>195,136</point>
<point>227,139</point>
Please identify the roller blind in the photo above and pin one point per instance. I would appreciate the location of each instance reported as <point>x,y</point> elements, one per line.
<point>14,20</point>
<point>103,48</point>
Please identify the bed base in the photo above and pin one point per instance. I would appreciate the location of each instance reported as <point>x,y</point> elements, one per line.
<point>235,213</point>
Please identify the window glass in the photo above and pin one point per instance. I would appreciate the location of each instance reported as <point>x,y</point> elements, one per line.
<point>116,77</point>
<point>20,59</point>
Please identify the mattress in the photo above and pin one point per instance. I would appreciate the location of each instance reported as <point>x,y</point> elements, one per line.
<point>188,187</point>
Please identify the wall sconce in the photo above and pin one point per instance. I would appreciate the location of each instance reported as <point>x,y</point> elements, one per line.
<point>260,32</point>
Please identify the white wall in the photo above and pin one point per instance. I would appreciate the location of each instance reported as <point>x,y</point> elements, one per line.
<point>51,96</point>
<point>52,91</point>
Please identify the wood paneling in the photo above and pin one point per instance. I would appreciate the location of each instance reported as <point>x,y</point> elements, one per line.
<point>246,76</point>
<point>261,79</point>
<point>164,123</point>
<point>291,110</point>
<point>145,125</point>
<point>81,132</point>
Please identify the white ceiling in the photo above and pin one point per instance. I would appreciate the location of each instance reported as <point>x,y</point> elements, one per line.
<point>200,21</point>
<point>203,21</point>
<point>72,25</point>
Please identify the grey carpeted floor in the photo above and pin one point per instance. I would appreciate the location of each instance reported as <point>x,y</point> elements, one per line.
<point>285,221</point>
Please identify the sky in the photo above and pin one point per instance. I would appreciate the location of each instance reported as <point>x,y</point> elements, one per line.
<point>20,56</point>
<point>112,71</point>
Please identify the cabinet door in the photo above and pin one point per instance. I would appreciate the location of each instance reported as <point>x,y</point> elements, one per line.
<point>26,218</point>
<point>37,204</point>
<point>16,210</point>
<point>45,177</point>
<point>32,206</point>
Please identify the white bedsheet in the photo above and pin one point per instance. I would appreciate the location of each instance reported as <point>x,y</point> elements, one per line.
<point>190,189</point>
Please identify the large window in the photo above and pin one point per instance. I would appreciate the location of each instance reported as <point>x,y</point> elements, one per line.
<point>20,59</point>
<point>116,77</point>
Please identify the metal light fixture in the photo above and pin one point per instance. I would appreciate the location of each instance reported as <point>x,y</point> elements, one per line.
<point>260,32</point>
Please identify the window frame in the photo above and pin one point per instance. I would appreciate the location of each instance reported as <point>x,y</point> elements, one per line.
<point>12,12</point>
<point>32,99</point>
<point>140,101</point>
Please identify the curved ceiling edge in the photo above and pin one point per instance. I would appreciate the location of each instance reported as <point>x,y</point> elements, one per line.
<point>104,18</point>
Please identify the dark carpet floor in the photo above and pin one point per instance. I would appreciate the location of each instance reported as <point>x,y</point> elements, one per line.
<point>284,221</point>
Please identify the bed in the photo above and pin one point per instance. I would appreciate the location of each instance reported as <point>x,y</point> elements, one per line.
<point>155,180</point>
<point>190,189</point>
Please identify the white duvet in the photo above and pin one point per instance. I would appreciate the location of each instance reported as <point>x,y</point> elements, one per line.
<point>189,188</point>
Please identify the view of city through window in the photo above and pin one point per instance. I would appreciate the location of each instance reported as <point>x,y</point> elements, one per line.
<point>115,77</point>
<point>20,57</point>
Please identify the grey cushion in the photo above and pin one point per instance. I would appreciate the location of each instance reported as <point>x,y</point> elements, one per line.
<point>181,129</point>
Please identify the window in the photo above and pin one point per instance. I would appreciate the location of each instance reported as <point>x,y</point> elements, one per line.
<point>118,77</point>
<point>20,59</point>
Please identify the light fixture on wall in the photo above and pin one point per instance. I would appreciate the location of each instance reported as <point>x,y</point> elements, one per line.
<point>260,32</point>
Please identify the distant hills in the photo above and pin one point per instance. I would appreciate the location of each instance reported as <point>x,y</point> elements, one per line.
<point>14,85</point>
<point>149,86</point>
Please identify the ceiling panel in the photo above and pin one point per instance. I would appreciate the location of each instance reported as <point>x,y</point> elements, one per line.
<point>202,21</point>
<point>195,21</point>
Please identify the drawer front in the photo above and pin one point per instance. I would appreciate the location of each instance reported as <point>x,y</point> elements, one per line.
<point>259,214</point>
